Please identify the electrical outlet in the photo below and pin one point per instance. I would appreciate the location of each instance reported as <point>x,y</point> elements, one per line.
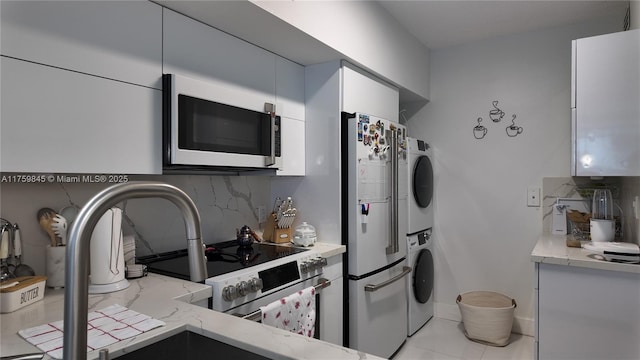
<point>262,213</point>
<point>533,196</point>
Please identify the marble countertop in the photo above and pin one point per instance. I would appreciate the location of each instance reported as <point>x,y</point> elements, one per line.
<point>169,299</point>
<point>552,249</point>
<point>324,249</point>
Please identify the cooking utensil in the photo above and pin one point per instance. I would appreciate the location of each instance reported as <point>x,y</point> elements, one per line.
<point>45,218</point>
<point>291,217</point>
<point>281,209</point>
<point>276,204</point>
<point>20,269</point>
<point>59,226</point>
<point>4,254</point>
<point>281,220</point>
<point>287,218</point>
<point>244,236</point>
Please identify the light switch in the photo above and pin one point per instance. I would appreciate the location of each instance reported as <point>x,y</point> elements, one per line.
<point>533,196</point>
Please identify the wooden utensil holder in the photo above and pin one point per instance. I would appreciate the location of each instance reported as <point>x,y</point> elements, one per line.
<point>274,234</point>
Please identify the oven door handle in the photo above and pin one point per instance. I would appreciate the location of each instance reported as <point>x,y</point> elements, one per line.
<point>376,287</point>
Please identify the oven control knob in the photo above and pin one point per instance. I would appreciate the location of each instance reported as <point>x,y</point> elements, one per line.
<point>323,262</point>
<point>305,267</point>
<point>312,265</point>
<point>317,263</point>
<point>255,284</point>
<point>242,288</point>
<point>229,293</point>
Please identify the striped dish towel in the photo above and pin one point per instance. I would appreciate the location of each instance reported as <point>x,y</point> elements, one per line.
<point>107,326</point>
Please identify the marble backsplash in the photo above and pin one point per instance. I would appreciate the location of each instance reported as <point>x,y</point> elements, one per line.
<point>624,189</point>
<point>224,203</point>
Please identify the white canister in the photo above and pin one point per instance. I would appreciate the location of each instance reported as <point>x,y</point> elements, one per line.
<point>305,235</point>
<point>602,230</point>
<point>107,254</point>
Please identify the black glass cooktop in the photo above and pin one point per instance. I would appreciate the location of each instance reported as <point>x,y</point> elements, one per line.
<point>222,258</point>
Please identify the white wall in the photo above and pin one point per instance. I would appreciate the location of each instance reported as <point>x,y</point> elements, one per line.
<point>484,231</point>
<point>365,33</point>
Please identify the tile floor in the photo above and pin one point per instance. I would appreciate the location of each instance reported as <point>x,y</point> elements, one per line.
<point>442,339</point>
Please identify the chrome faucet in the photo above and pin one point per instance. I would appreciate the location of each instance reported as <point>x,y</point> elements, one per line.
<point>76,302</point>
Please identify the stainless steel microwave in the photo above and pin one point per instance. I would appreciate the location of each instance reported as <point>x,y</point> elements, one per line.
<point>200,133</point>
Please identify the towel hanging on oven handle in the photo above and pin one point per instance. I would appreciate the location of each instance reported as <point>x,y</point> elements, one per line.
<point>257,315</point>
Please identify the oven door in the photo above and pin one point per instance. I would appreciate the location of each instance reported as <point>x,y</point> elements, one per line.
<point>199,131</point>
<point>254,306</point>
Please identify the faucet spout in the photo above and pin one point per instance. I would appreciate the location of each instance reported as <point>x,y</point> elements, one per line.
<point>76,291</point>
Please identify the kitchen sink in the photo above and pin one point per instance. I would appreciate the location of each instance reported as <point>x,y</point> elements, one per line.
<point>189,345</point>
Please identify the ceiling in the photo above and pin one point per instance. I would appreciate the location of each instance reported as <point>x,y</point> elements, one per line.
<point>445,23</point>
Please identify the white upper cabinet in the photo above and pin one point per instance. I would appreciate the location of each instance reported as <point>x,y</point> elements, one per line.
<point>60,121</point>
<point>361,92</point>
<point>293,147</point>
<point>605,105</point>
<point>247,76</point>
<point>289,89</point>
<point>81,85</point>
<point>120,40</point>
<point>290,106</point>
<point>199,51</point>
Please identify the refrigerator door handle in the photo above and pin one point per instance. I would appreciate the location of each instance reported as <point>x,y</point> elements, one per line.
<point>394,245</point>
<point>371,287</point>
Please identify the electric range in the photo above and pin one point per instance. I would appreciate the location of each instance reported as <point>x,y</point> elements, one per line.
<point>243,275</point>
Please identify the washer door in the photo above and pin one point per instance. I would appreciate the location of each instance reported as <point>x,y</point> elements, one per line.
<point>423,276</point>
<point>423,181</point>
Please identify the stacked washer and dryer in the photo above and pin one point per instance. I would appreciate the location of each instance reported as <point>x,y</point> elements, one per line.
<point>419,231</point>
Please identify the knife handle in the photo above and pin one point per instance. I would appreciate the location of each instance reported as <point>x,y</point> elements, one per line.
<point>17,241</point>
<point>4,244</point>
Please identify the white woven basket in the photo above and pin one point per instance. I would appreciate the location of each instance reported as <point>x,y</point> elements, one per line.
<point>487,316</point>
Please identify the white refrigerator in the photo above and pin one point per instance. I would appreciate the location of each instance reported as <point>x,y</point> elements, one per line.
<point>374,210</point>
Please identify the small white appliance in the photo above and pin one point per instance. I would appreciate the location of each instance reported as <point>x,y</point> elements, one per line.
<point>602,230</point>
<point>107,254</point>
<point>615,251</point>
<point>421,282</point>
<point>305,235</point>
<point>204,128</point>
<point>420,178</point>
<point>602,225</point>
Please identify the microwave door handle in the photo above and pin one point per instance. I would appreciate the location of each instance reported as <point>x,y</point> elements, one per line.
<point>271,159</point>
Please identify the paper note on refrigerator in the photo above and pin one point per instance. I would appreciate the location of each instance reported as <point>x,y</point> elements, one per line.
<point>372,180</point>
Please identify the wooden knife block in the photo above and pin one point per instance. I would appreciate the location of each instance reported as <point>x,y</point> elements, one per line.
<point>273,233</point>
